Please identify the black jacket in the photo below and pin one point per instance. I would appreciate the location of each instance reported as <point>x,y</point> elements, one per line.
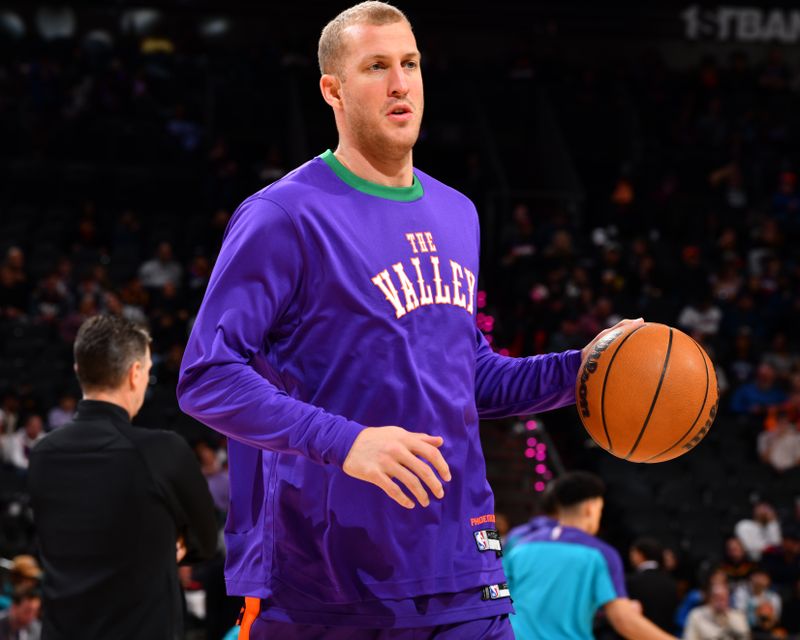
<point>109,501</point>
<point>658,593</point>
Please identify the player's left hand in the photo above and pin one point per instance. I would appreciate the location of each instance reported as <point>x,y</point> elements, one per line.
<point>619,325</point>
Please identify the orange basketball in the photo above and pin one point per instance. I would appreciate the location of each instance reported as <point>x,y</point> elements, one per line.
<point>647,393</point>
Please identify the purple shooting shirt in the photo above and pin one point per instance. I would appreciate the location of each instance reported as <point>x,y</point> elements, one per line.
<point>337,304</point>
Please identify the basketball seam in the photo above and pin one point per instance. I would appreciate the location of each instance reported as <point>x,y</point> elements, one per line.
<point>603,390</point>
<point>655,398</point>
<point>699,413</point>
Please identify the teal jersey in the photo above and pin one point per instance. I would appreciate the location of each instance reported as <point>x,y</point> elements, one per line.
<point>559,577</point>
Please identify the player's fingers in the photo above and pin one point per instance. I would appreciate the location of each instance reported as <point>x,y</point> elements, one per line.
<point>423,472</point>
<point>393,490</point>
<point>434,456</point>
<point>436,441</point>
<point>412,483</point>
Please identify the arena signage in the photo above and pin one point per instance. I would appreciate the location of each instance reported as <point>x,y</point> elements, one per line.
<point>741,24</point>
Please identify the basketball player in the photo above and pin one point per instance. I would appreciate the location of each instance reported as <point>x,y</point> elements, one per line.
<point>560,575</point>
<point>337,348</point>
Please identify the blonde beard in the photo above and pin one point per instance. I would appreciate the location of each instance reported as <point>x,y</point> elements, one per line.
<point>372,141</point>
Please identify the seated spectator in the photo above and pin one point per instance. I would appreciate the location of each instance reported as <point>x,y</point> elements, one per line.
<point>19,444</point>
<point>780,446</point>
<point>749,596</point>
<point>792,404</point>
<point>9,415</point>
<point>62,412</point>
<point>701,318</point>
<point>215,474</point>
<point>162,269</point>
<point>782,563</point>
<point>21,620</point>
<point>697,597</point>
<point>767,625</point>
<point>87,307</point>
<point>52,299</point>
<point>24,574</point>
<point>716,619</point>
<point>754,398</point>
<point>760,532</point>
<point>736,565</point>
<point>653,587</point>
<point>780,357</point>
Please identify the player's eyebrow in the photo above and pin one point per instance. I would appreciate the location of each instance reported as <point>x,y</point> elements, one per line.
<point>385,56</point>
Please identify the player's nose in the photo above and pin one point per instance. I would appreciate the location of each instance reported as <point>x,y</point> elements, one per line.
<point>398,83</point>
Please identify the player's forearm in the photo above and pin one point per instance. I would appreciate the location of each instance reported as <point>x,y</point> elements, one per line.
<point>513,386</point>
<point>637,627</point>
<point>235,400</point>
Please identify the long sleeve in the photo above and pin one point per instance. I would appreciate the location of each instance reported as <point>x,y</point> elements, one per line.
<point>255,283</point>
<point>513,386</point>
<point>190,487</point>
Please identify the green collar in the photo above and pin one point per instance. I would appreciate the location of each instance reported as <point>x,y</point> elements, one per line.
<point>400,194</point>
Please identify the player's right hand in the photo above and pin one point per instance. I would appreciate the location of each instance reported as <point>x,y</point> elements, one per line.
<point>391,456</point>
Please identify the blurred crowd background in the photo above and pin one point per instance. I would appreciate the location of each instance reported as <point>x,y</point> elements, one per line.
<point>650,175</point>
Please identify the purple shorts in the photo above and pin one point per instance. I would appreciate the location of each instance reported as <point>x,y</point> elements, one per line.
<point>495,628</point>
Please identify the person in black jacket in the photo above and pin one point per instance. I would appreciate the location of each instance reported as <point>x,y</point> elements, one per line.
<point>115,504</point>
<point>651,585</point>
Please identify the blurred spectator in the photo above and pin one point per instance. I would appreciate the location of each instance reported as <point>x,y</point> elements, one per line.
<point>13,285</point>
<point>62,412</point>
<point>19,444</point>
<point>780,357</point>
<point>760,532</point>
<point>52,299</point>
<point>215,474</point>
<point>716,620</point>
<point>756,591</point>
<point>767,626</point>
<point>754,398</point>
<point>653,587</point>
<point>87,308</point>
<point>21,620</point>
<point>786,200</point>
<point>701,318</point>
<point>24,574</point>
<point>736,565</point>
<point>792,404</point>
<point>9,414</point>
<point>782,562</point>
<point>742,362</point>
<point>698,596</point>
<point>780,447</point>
<point>162,269</point>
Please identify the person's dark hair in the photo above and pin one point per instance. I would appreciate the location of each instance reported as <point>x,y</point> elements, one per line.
<point>575,487</point>
<point>650,548</point>
<point>105,348</point>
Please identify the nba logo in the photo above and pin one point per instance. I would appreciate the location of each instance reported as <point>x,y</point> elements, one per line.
<point>482,540</point>
<point>494,591</point>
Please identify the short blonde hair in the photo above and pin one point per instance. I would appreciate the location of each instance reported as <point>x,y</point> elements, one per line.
<point>331,45</point>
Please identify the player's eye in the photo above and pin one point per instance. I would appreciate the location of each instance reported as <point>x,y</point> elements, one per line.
<point>376,66</point>
<point>411,64</point>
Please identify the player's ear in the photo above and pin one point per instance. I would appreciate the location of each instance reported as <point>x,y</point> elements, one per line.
<point>330,86</point>
<point>133,373</point>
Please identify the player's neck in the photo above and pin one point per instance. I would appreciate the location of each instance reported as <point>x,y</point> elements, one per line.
<point>112,397</point>
<point>576,521</point>
<point>389,172</point>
